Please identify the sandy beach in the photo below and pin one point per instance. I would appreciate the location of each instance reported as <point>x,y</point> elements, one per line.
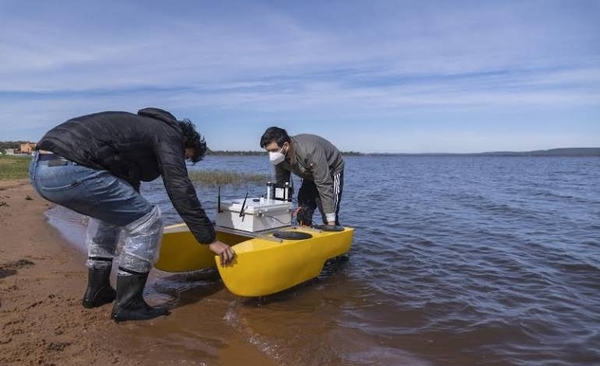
<point>42,279</point>
<point>41,282</point>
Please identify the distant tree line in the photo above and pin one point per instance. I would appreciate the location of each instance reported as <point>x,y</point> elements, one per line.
<point>564,152</point>
<point>236,153</point>
<point>256,153</point>
<point>574,151</point>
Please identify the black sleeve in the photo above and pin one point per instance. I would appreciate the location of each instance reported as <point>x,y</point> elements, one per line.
<point>171,159</point>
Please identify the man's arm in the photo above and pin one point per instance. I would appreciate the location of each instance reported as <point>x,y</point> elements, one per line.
<point>181,191</point>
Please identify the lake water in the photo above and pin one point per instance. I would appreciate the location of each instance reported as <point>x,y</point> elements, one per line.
<point>456,260</point>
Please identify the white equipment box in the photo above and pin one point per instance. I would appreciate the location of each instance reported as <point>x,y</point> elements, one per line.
<point>257,214</point>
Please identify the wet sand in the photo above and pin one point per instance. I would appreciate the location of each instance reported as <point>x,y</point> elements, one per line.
<point>42,280</point>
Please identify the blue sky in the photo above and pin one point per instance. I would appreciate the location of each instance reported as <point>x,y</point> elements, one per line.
<point>371,76</point>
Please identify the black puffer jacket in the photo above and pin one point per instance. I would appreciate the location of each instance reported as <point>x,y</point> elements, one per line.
<point>136,148</point>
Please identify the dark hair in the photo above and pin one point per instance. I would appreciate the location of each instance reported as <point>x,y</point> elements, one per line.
<point>193,140</point>
<point>276,134</point>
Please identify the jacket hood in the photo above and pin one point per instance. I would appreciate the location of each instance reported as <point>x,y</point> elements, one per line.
<point>157,113</point>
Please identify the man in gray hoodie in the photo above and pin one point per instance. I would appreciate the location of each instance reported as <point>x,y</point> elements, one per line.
<point>320,165</point>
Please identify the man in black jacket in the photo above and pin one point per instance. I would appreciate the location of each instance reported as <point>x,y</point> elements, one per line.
<point>95,167</point>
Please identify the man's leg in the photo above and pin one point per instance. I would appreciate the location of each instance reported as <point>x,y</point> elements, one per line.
<point>142,227</point>
<point>338,185</point>
<point>112,200</point>
<point>101,241</point>
<point>307,195</point>
<point>142,239</point>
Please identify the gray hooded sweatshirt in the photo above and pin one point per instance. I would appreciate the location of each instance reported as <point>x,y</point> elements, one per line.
<point>316,159</point>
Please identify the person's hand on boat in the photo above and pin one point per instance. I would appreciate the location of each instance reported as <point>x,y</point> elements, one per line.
<point>299,215</point>
<point>224,251</point>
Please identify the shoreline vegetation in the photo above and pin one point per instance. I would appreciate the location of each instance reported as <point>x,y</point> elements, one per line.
<point>215,177</point>
<point>16,166</point>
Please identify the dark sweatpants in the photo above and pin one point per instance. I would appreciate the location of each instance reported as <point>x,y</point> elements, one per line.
<point>309,200</point>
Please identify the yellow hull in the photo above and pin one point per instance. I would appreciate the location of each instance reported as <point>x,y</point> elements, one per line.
<point>180,252</point>
<point>263,264</point>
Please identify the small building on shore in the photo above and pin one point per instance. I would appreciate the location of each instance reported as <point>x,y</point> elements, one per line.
<point>27,148</point>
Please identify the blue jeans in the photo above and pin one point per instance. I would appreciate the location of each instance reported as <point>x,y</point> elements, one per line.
<point>90,192</point>
<point>112,203</point>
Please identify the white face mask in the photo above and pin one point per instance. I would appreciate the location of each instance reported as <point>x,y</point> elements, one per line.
<point>276,157</point>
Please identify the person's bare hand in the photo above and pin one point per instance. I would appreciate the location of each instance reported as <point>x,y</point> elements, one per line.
<point>224,251</point>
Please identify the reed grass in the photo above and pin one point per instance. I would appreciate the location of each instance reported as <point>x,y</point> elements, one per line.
<point>14,167</point>
<point>215,177</point>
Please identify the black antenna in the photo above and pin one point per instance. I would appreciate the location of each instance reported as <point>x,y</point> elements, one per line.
<point>242,211</point>
<point>219,201</point>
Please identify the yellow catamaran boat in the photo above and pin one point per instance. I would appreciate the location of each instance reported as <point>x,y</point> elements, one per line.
<point>271,254</point>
